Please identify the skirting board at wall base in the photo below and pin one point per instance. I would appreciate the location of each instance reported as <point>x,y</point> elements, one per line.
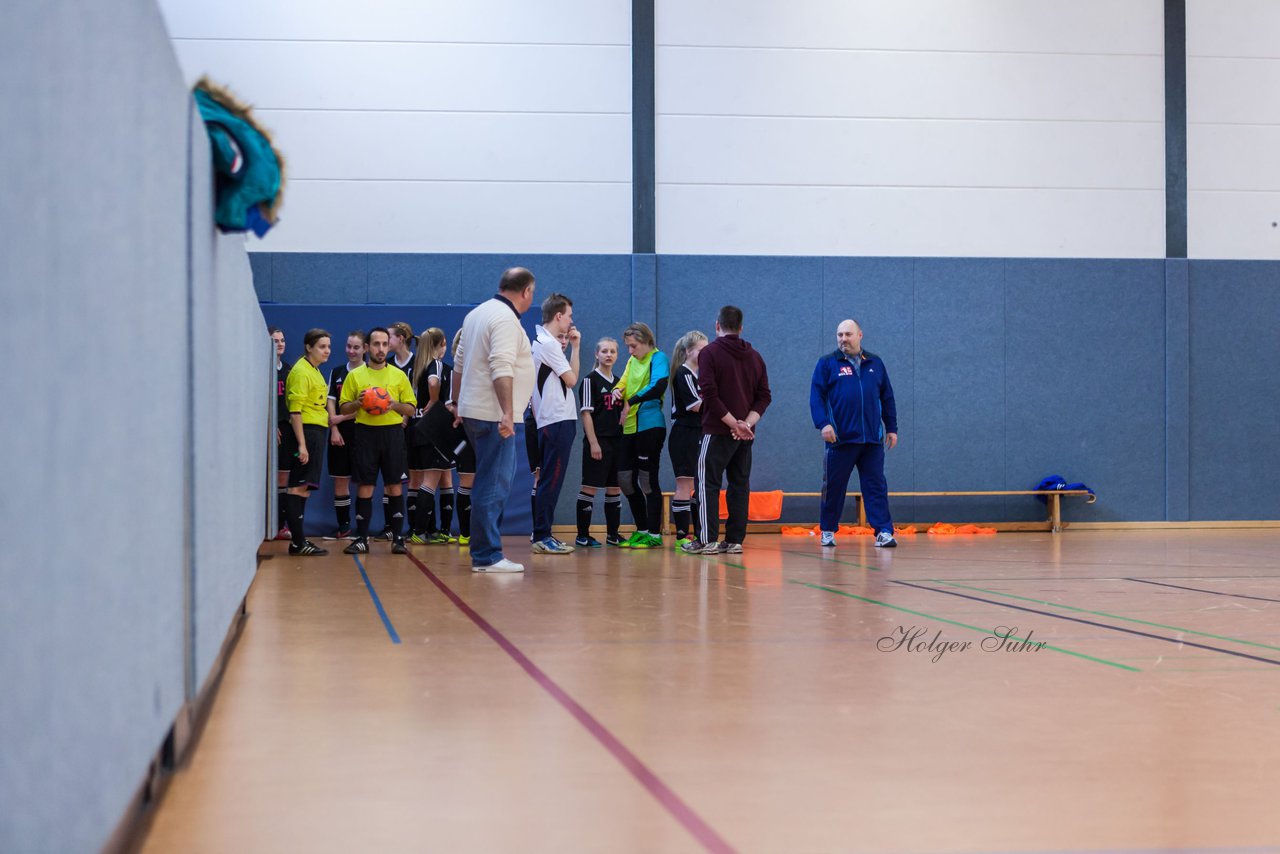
<point>176,749</point>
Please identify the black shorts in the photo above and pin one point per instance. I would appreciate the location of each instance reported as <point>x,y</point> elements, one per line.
<point>308,475</point>
<point>286,447</point>
<point>427,458</point>
<point>340,455</point>
<point>604,471</point>
<point>466,461</point>
<point>379,450</point>
<point>642,451</point>
<point>684,446</point>
<point>531,447</point>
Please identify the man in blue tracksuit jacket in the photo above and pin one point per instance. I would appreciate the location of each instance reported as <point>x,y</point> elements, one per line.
<point>851,401</point>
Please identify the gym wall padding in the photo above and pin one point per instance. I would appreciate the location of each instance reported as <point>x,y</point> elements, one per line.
<point>230,370</point>
<point>94,279</point>
<point>1005,369</point>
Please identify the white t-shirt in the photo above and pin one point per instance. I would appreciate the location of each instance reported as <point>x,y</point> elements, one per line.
<point>552,400</point>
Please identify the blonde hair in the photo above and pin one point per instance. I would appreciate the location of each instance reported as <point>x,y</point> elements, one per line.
<point>605,339</point>
<point>428,341</point>
<point>641,332</point>
<point>684,345</point>
<point>403,329</point>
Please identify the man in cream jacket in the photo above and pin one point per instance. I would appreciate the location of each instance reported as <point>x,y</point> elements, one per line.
<point>492,380</point>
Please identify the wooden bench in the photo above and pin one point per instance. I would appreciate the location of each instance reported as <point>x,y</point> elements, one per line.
<point>1053,496</point>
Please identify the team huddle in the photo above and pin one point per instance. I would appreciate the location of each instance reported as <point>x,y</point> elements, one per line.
<point>411,416</point>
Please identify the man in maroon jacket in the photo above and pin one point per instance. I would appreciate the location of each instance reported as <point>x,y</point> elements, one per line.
<point>735,393</point>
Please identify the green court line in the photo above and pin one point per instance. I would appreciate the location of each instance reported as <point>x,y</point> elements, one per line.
<point>963,625</point>
<point>832,560</point>
<point>1104,614</point>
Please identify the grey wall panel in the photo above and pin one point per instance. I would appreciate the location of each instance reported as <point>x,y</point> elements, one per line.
<point>260,263</point>
<point>320,278</point>
<point>93,261</point>
<point>1085,381</point>
<point>410,279</point>
<point>231,368</point>
<point>1235,390</point>
<point>959,442</point>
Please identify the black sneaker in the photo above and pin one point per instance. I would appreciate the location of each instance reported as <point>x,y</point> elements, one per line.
<point>613,540</point>
<point>384,534</point>
<point>398,547</point>
<point>359,546</point>
<point>307,548</point>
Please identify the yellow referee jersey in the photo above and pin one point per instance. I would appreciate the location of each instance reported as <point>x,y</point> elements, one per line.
<point>306,392</point>
<point>392,379</point>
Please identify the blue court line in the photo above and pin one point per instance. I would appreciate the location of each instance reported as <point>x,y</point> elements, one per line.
<point>377,603</point>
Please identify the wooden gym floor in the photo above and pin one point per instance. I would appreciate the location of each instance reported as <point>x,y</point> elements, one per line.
<point>651,702</point>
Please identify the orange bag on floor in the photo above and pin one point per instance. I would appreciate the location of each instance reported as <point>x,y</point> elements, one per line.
<point>904,530</point>
<point>974,529</point>
<point>761,506</point>
<point>943,529</point>
<point>795,531</point>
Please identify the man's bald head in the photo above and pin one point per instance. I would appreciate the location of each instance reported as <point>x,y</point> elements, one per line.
<point>849,337</point>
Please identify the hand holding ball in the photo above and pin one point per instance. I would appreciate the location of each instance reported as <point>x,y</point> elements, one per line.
<point>375,401</point>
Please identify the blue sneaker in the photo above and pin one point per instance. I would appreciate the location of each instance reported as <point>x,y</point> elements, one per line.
<point>587,543</point>
<point>551,546</point>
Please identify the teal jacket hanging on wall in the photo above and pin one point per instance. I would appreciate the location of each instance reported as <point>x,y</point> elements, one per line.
<point>248,170</point>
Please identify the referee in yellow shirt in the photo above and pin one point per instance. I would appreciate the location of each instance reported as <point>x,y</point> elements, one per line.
<point>306,393</point>
<point>379,441</point>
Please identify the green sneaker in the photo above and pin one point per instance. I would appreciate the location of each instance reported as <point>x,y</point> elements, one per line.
<point>654,541</point>
<point>682,542</point>
<point>632,541</point>
<point>418,539</point>
<point>464,541</point>
<point>438,538</point>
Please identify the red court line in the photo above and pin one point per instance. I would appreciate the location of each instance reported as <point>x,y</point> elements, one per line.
<point>670,801</point>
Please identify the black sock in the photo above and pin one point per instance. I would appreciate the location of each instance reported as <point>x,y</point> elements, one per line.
<point>464,511</point>
<point>638,510</point>
<point>396,522</point>
<point>342,507</point>
<point>681,517</point>
<point>293,513</point>
<point>410,502</point>
<point>386,511</point>
<point>446,509</point>
<point>282,506</point>
<point>693,520</point>
<point>424,519</point>
<point>585,506</point>
<point>612,514</point>
<point>364,512</point>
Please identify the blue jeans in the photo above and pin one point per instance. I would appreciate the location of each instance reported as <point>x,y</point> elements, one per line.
<point>556,442</point>
<point>838,467</point>
<point>495,468</point>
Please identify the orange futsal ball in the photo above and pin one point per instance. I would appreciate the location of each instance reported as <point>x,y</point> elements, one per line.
<point>375,401</point>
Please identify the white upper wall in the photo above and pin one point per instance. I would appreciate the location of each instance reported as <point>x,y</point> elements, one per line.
<point>920,127</point>
<point>432,126</point>
<point>1233,129</point>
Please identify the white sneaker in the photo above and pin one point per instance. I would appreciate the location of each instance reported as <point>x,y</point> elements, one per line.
<point>503,565</point>
<point>829,539</point>
<point>885,540</point>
